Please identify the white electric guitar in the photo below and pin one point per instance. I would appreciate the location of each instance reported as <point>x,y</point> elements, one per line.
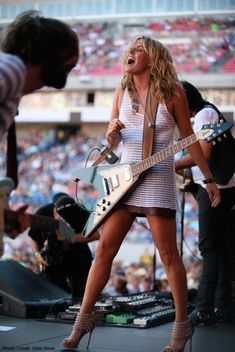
<point>113,181</point>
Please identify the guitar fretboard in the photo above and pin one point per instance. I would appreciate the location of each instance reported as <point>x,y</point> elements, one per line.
<point>162,155</point>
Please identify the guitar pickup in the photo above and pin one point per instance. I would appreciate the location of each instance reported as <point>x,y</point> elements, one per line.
<point>114,181</point>
<point>127,173</point>
<point>106,186</point>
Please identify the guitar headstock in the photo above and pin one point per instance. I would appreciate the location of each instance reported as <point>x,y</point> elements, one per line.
<point>66,231</point>
<point>6,187</point>
<point>212,132</point>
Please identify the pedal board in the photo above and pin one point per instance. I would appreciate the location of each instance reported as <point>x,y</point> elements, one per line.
<point>139,310</point>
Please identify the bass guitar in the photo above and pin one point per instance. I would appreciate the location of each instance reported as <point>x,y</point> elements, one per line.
<point>9,218</point>
<point>113,181</point>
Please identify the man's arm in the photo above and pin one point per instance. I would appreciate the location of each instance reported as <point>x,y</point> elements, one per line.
<point>37,254</point>
<point>81,239</point>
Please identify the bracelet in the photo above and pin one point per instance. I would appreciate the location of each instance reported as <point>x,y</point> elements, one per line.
<point>112,134</point>
<point>208,180</point>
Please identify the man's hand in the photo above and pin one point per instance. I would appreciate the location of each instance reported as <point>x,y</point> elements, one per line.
<point>81,239</point>
<point>40,260</point>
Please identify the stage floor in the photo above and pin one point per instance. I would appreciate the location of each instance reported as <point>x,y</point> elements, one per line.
<point>34,335</point>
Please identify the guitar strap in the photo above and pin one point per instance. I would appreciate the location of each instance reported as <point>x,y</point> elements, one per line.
<point>11,158</point>
<point>1,230</point>
<point>148,131</point>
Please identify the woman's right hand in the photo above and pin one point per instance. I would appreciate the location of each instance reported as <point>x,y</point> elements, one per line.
<point>214,194</point>
<point>115,126</point>
<point>113,134</point>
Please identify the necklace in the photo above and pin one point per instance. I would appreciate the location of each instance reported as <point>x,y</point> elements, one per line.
<point>137,102</point>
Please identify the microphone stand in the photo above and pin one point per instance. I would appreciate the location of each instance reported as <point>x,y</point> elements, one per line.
<point>183,188</point>
<point>155,287</point>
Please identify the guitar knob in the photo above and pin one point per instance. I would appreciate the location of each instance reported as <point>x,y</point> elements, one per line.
<point>103,201</point>
<point>108,202</point>
<point>103,208</point>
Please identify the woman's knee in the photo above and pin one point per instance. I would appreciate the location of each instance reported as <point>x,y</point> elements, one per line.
<point>167,255</point>
<point>105,251</point>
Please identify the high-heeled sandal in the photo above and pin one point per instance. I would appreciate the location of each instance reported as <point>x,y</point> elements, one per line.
<point>84,323</point>
<point>181,331</point>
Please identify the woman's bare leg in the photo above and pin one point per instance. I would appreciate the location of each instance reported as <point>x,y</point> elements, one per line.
<point>164,233</point>
<point>113,233</point>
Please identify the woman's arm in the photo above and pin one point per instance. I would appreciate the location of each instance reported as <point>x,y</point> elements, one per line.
<point>113,134</point>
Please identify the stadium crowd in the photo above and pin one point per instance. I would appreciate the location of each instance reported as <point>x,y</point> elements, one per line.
<point>197,44</point>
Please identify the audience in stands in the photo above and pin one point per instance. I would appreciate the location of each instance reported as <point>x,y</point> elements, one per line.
<point>197,45</point>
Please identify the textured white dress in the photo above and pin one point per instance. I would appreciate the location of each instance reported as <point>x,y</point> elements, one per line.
<point>157,186</point>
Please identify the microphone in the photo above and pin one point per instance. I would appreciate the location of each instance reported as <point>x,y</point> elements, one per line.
<point>107,154</point>
<point>110,156</point>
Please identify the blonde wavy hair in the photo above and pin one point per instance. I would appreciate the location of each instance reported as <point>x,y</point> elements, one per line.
<point>162,70</point>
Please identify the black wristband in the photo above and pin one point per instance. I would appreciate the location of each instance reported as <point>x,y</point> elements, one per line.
<point>208,180</point>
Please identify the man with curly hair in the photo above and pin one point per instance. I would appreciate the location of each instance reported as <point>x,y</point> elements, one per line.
<point>35,52</point>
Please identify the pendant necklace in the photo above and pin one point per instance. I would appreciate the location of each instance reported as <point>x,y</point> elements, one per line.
<point>136,104</point>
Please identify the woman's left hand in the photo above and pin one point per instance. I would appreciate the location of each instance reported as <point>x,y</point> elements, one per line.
<point>214,194</point>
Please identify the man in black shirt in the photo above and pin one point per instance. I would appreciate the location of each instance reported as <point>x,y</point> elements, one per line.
<point>64,263</point>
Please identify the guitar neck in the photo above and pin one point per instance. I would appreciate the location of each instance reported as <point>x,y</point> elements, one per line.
<point>36,221</point>
<point>43,222</point>
<point>166,153</point>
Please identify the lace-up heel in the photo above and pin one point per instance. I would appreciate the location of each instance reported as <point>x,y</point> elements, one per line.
<point>181,331</point>
<point>84,323</point>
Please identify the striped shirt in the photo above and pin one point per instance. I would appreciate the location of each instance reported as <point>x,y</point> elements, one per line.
<point>12,79</point>
<point>158,187</point>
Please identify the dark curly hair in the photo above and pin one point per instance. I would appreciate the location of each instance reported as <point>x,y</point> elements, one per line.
<point>38,40</point>
<point>194,97</point>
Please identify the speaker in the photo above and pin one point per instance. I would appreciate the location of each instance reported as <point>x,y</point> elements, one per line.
<point>25,294</point>
<point>231,246</point>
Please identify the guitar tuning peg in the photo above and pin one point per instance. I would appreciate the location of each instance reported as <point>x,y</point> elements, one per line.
<point>225,136</point>
<point>214,142</point>
<point>219,139</point>
<point>221,120</point>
